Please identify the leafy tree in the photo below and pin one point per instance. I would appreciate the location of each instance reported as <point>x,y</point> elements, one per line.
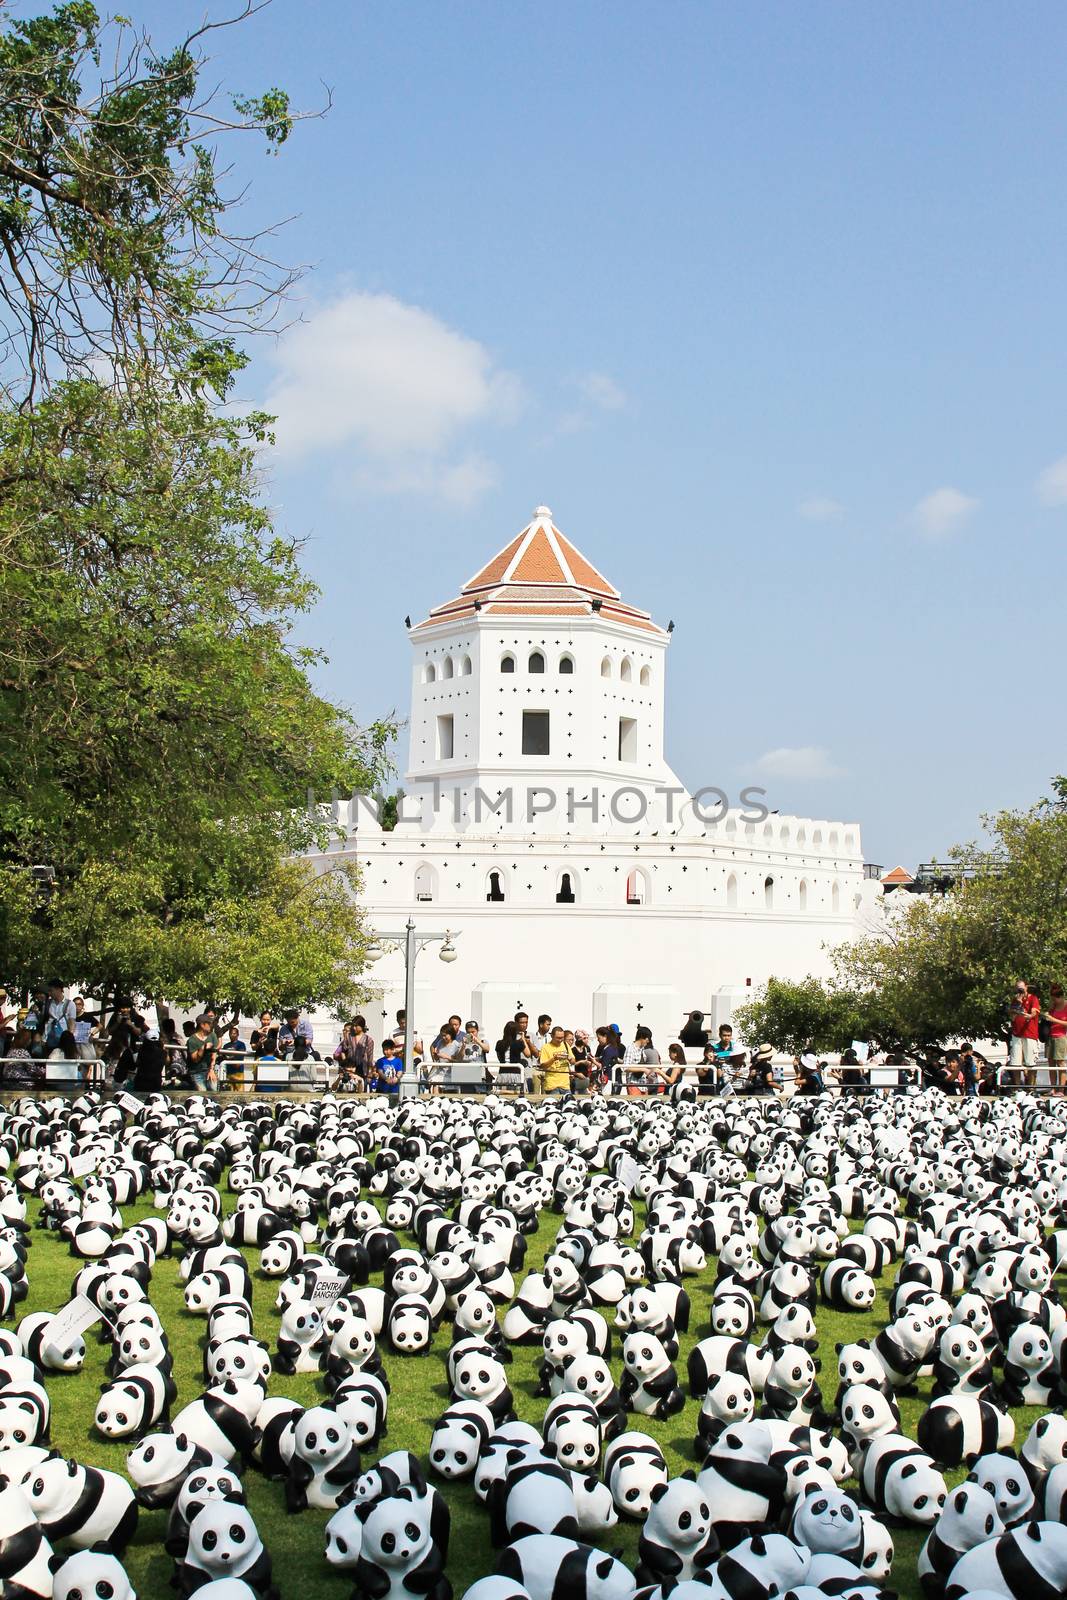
<point>795,1015</point>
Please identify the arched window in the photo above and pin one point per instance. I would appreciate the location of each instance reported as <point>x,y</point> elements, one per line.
<point>646,677</point>
<point>636,888</point>
<point>605,667</point>
<point>835,897</point>
<point>565,895</point>
<point>850,843</point>
<point>536,662</point>
<point>425,883</point>
<point>832,841</point>
<point>429,673</point>
<point>768,893</point>
<point>802,838</point>
<point>465,667</point>
<point>566,664</point>
<point>802,894</point>
<point>447,668</point>
<point>626,671</point>
<point>816,837</point>
<point>494,887</point>
<point>507,663</point>
<point>731,890</point>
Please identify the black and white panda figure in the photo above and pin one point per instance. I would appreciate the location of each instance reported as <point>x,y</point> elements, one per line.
<point>902,1348</point>
<point>546,1566</point>
<point>25,1552</point>
<point>958,1429</point>
<point>1030,1376</point>
<point>363,1402</point>
<point>1044,1448</point>
<point>730,1398</point>
<point>410,1326</point>
<point>968,1517</point>
<point>85,1505</point>
<point>92,1572</point>
<point>475,1313</point>
<point>786,1285</point>
<point>873,1255</point>
<point>793,1325</point>
<point>241,1359</point>
<point>507,1446</point>
<point>224,1542</point>
<point>25,1416</point>
<point>962,1365</point>
<point>828,1522</point>
<point>478,1375</point>
<point>222,1419</point>
<point>525,1319</point>
<point>589,1377</point>
<point>571,1430</point>
<point>300,1346</point>
<point>678,1542</point>
<point>720,1353</point>
<point>744,1488</point>
<point>846,1287</point>
<point>649,1382</point>
<point>159,1465</point>
<point>791,1392</point>
<point>633,1465</point>
<point>876,1561</point>
<point>459,1437</point>
<point>753,1569</point>
<point>398,1556</point>
<point>866,1413</point>
<point>531,1497</point>
<point>733,1312</point>
<point>281,1254</point>
<point>858,1364</point>
<point>324,1463</point>
<point>1007,1482</point>
<point>353,1348</point>
<point>206,1289</point>
<point>210,1483</point>
<point>38,1345</point>
<point>1020,1563</point>
<point>899,1480</point>
<point>139,1399</point>
<point>344,1535</point>
<point>643,1310</point>
<point>973,1311</point>
<point>275,1426</point>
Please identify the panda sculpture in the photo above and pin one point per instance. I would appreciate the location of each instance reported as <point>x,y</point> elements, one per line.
<point>958,1429</point>
<point>1020,1563</point>
<point>363,1402</point>
<point>224,1542</point>
<point>745,1489</point>
<point>411,1325</point>
<point>729,1398</point>
<point>92,1573</point>
<point>633,1465</point>
<point>1007,1482</point>
<point>791,1392</point>
<point>827,1522</point>
<point>209,1483</point>
<point>1044,1448</point>
<point>678,1541</point>
<point>899,1480</point>
<point>459,1437</point>
<point>275,1427</point>
<point>301,1341</point>
<point>1030,1376</point>
<point>571,1430</point>
<point>324,1463</point>
<point>968,1517</point>
<point>531,1497</point>
<point>138,1400</point>
<point>722,1353</point>
<point>962,1365</point>
<point>649,1382</point>
<point>25,1552</point>
<point>159,1465</point>
<point>397,1556</point>
<point>222,1419</point>
<point>847,1287</point>
<point>85,1505</point>
<point>481,1377</point>
<point>589,1378</point>
<point>548,1568</point>
<point>867,1413</point>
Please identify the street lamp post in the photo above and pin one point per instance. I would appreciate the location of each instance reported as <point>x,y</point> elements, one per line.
<point>413,943</point>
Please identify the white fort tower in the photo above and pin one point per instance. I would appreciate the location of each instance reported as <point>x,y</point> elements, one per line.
<point>542,825</point>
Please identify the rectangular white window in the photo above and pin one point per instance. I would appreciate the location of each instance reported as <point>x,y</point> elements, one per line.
<point>445,748</point>
<point>535,737</point>
<point>627,738</point>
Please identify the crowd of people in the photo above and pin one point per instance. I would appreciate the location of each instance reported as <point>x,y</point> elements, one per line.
<point>125,1049</point>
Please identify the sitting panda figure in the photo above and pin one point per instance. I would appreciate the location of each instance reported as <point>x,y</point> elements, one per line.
<point>793,1325</point>
<point>571,1431</point>
<point>730,1398</point>
<point>300,1339</point>
<point>902,1347</point>
<point>1006,1481</point>
<point>363,1402</point>
<point>344,1535</point>
<point>589,1378</point>
<point>25,1416</point>
<point>324,1462</point>
<point>1045,1447</point>
<point>962,1365</point>
<point>633,1465</point>
<point>275,1426</point>
<point>973,1311</point>
<point>846,1287</point>
<point>565,1338</point>
<point>786,1284</point>
<point>140,1399</point>
<point>1030,1375</point>
<point>159,1465</point>
<point>218,1483</point>
<point>968,1517</point>
<point>1020,1562</point>
<point>791,1393</point>
<point>877,1558</point>
<point>678,1542</point>
<point>86,1505</point>
<point>222,1419</point>
<point>866,1413</point>
<point>828,1522</point>
<point>733,1311</point>
<point>397,1556</point>
<point>477,1375</point>
<point>858,1364</point>
<point>899,1480</point>
<point>958,1429</point>
<point>531,1497</point>
<point>644,1310</point>
<point>352,1348</point>
<point>224,1543</point>
<point>459,1437</point>
<point>721,1353</point>
<point>92,1572</point>
<point>649,1382</point>
<point>25,1553</point>
<point>410,1326</point>
<point>744,1488</point>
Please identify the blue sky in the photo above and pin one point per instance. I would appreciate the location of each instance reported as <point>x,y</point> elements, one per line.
<point>767,302</point>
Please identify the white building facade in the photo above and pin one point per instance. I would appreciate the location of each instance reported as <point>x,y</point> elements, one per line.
<point>542,826</point>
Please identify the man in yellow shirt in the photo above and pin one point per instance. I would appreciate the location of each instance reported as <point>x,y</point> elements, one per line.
<point>556,1062</point>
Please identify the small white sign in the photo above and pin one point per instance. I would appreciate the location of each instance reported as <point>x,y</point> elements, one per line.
<point>77,1315</point>
<point>628,1173</point>
<point>128,1102</point>
<point>81,1166</point>
<point>862,1049</point>
<point>328,1287</point>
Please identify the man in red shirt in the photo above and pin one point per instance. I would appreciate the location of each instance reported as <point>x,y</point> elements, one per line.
<point>1056,1049</point>
<point>1025,1017</point>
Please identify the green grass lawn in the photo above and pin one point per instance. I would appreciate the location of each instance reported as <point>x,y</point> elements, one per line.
<point>419,1395</point>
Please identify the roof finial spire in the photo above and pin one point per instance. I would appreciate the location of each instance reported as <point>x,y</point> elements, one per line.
<point>542,514</point>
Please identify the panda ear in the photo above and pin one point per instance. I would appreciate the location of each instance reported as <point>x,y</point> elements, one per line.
<point>758,1545</point>
<point>658,1491</point>
<point>811,1488</point>
<point>1033,1531</point>
<point>691,1475</point>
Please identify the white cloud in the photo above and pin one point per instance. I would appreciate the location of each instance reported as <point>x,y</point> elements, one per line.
<point>942,512</point>
<point>802,761</point>
<point>1051,484</point>
<point>393,388</point>
<point>597,393</point>
<point>820,508</point>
